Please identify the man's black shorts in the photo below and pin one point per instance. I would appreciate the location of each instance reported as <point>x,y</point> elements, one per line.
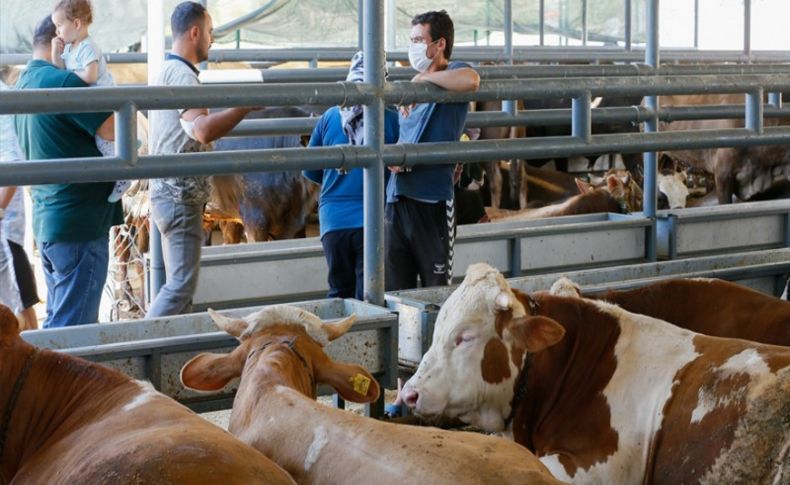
<point>25,279</point>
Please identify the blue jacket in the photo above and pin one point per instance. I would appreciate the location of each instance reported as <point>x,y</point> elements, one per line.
<point>429,122</point>
<point>341,203</point>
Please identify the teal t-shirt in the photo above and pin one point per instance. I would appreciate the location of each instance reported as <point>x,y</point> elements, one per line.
<point>64,212</point>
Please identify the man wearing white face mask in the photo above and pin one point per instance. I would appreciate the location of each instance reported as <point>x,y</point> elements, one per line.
<point>418,221</point>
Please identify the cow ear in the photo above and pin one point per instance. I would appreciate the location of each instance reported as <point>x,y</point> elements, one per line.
<point>536,333</point>
<point>211,372</point>
<point>234,326</point>
<point>612,182</point>
<point>9,325</point>
<point>583,186</point>
<point>351,381</point>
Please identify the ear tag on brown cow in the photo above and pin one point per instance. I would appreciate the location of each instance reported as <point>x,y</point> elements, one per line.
<point>360,383</point>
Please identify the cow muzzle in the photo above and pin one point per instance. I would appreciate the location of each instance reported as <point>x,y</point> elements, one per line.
<point>422,402</point>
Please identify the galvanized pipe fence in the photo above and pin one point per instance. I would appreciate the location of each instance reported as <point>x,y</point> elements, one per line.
<point>374,93</point>
<point>125,101</point>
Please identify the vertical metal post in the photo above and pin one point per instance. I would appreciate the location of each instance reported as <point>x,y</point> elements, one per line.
<point>651,126</point>
<point>374,138</point>
<point>581,115</point>
<point>126,133</point>
<point>204,65</point>
<point>156,57</point>
<point>754,111</point>
<point>360,23</point>
<point>775,100</point>
<point>747,29</point>
<point>542,22</point>
<point>696,24</point>
<point>584,22</point>
<point>392,26</point>
<point>627,22</point>
<point>509,106</point>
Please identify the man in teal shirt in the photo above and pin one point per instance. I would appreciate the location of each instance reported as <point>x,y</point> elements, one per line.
<point>71,222</point>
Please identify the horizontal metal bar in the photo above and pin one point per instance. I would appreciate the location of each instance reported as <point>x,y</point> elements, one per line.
<point>481,53</point>
<point>533,72</point>
<point>743,210</point>
<point>537,117</point>
<point>407,92</point>
<point>346,157</point>
<point>218,96</point>
<point>565,146</point>
<point>98,169</point>
<point>96,99</point>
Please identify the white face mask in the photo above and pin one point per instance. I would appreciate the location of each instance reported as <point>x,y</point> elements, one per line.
<point>418,57</point>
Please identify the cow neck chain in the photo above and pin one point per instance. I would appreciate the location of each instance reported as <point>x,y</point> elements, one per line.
<point>15,391</point>
<point>521,387</point>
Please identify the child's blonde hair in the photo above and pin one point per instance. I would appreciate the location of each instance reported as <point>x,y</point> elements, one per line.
<point>76,9</point>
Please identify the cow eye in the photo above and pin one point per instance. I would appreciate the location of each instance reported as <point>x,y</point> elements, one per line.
<point>464,338</point>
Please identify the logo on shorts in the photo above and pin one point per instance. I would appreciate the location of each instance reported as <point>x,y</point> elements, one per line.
<point>439,269</point>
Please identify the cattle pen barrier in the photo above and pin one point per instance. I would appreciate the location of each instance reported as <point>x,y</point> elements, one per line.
<point>257,273</point>
<point>127,165</point>
<point>156,349</point>
<point>753,82</point>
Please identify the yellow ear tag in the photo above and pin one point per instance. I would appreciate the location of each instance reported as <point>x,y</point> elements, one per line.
<point>360,383</point>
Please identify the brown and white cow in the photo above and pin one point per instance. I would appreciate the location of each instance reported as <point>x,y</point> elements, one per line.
<point>602,395</point>
<point>281,361</point>
<point>66,420</point>
<point>710,306</point>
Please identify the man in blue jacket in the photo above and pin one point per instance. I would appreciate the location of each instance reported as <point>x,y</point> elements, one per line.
<point>340,210</point>
<point>418,223</point>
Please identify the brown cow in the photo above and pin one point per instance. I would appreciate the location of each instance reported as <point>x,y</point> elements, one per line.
<point>281,361</point>
<point>602,395</point>
<point>744,172</point>
<point>591,200</point>
<point>66,420</point>
<point>710,306</point>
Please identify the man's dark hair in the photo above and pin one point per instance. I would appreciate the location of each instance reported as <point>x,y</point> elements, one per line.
<point>441,26</point>
<point>185,15</point>
<point>44,33</point>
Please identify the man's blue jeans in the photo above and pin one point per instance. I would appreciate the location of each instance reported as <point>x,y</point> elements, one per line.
<point>75,273</point>
<point>181,226</point>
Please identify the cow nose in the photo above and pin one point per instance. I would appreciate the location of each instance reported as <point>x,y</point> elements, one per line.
<point>410,397</point>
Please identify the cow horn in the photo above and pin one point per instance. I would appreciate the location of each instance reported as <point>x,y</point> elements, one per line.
<point>503,302</point>
<point>337,329</point>
<point>233,326</point>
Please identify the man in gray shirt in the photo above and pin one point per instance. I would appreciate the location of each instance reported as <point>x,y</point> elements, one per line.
<point>177,203</point>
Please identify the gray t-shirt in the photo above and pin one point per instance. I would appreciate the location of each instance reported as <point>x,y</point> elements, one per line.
<point>168,137</point>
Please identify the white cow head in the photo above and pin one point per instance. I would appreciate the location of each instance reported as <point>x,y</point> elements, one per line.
<point>674,187</point>
<point>482,335</point>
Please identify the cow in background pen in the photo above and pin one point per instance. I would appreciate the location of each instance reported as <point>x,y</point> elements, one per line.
<point>269,205</point>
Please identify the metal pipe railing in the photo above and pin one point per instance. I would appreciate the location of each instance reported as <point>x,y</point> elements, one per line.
<point>537,117</point>
<point>532,71</point>
<point>472,54</point>
<point>92,99</point>
<point>373,186</point>
<point>650,158</point>
<point>344,157</point>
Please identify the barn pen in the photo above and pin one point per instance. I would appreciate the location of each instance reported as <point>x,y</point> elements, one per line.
<point>599,252</point>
